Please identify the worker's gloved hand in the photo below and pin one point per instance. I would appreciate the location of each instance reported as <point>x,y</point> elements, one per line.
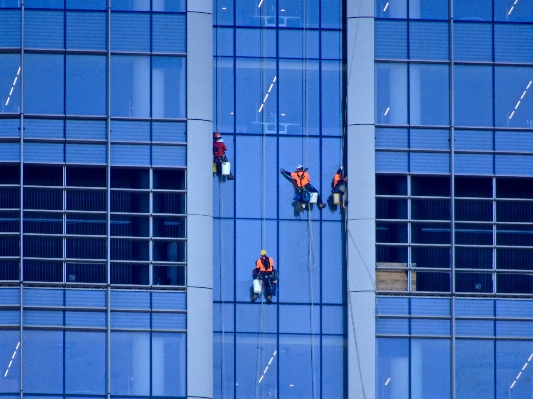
<point>282,170</point>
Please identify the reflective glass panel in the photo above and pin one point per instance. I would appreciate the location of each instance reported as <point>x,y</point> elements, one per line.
<point>10,349</point>
<point>44,29</point>
<point>428,9</point>
<point>429,94</point>
<point>130,86</point>
<point>169,33</point>
<point>44,83</point>
<point>168,87</point>
<point>472,41</point>
<point>392,368</point>
<point>428,40</point>
<point>473,95</point>
<point>298,13</point>
<point>10,23</point>
<point>86,30</point>
<point>513,11</point>
<point>391,8</point>
<point>86,85</point>
<point>391,94</point>
<point>299,366</point>
<point>474,369</point>
<point>10,81</point>
<point>130,363</point>
<point>430,368</point>
<point>468,10</point>
<point>168,364</point>
<point>43,361</point>
<point>512,381</point>
<point>85,362</point>
<point>514,96</point>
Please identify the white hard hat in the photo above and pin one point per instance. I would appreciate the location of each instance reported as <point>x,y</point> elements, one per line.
<point>299,167</point>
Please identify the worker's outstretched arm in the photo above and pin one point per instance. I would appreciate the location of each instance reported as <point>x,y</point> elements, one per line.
<point>287,174</point>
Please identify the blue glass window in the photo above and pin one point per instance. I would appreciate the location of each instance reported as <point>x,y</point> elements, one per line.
<point>331,45</point>
<point>331,274</point>
<point>223,40</point>
<point>223,12</point>
<point>428,40</point>
<point>169,33</point>
<point>255,42</point>
<point>130,32</point>
<point>169,132</point>
<point>256,112</point>
<point>513,43</point>
<point>44,29</point>
<point>125,131</point>
<point>85,362</point>
<point>10,81</point>
<point>479,164</point>
<point>169,155</point>
<point>43,361</point>
<point>86,153</point>
<point>390,39</point>
<point>473,95</point>
<point>130,363</point>
<point>513,141</point>
<point>86,30</point>
<point>249,14</point>
<point>10,4</point>
<point>429,139</point>
<point>10,23</point>
<point>333,350</point>
<point>473,140</point>
<point>429,94</point>
<point>391,94</point>
<point>299,364</point>
<point>331,14</point>
<point>391,9</point>
<point>298,13</point>
<point>169,5</point>
<point>430,368</point>
<point>299,319</point>
<point>168,364</point>
<point>86,85</point>
<point>511,357</point>
<point>224,111</point>
<point>298,43</point>
<point>391,161</point>
<point>128,5</point>
<point>43,89</point>
<point>513,11</point>
<point>86,5</point>
<point>85,130</point>
<point>168,87</point>
<point>332,98</point>
<point>392,368</point>
<point>474,369</point>
<point>514,96</point>
<point>428,9</point>
<point>130,86</point>
<point>10,349</point>
<point>44,4</point>
<point>468,10</point>
<point>472,41</point>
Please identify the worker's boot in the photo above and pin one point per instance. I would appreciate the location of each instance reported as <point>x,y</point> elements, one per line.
<point>321,205</point>
<point>254,298</point>
<point>269,299</point>
<point>231,177</point>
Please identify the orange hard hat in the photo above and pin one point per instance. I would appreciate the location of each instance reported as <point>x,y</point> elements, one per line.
<point>216,135</point>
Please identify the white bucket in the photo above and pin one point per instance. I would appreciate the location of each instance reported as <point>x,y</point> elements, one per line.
<point>336,199</point>
<point>225,168</point>
<point>257,286</point>
<point>313,198</point>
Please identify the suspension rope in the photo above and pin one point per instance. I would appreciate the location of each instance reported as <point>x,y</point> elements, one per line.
<point>259,363</point>
<point>310,268</point>
<point>222,286</point>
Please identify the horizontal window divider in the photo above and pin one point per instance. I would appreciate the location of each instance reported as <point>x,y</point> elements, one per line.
<point>493,152</point>
<point>153,330</point>
<point>9,307</point>
<point>149,142</point>
<point>75,212</point>
<point>132,310</point>
<point>494,63</point>
<point>148,53</point>
<point>65,308</point>
<point>63,328</point>
<point>12,139</point>
<point>413,150</point>
<point>418,317</point>
<point>9,327</point>
<point>404,244</point>
<point>148,119</point>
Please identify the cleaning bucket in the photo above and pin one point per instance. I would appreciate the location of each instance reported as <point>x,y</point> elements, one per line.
<point>225,168</point>
<point>214,167</point>
<point>313,198</point>
<point>257,286</point>
<point>336,199</point>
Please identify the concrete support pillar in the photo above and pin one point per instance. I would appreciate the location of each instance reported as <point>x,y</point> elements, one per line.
<point>199,200</point>
<point>361,212</point>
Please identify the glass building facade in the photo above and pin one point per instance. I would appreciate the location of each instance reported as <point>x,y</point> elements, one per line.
<point>125,263</point>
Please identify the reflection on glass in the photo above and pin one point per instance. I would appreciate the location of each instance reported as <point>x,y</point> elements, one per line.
<point>85,362</point>
<point>391,9</point>
<point>130,363</point>
<point>86,88</point>
<point>514,369</point>
<point>514,97</point>
<point>468,10</point>
<point>428,9</point>
<point>474,369</point>
<point>43,361</point>
<point>168,364</point>
<point>130,86</point>
<point>430,368</point>
<point>391,94</point>
<point>255,13</point>
<point>392,368</point>
<point>168,87</point>
<point>473,95</point>
<point>429,94</point>
<point>513,11</point>
<point>10,83</point>
<point>298,13</point>
<point>10,349</point>
<point>43,83</point>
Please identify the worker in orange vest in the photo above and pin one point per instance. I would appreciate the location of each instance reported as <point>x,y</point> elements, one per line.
<point>338,186</point>
<point>219,152</point>
<point>303,182</point>
<point>264,270</point>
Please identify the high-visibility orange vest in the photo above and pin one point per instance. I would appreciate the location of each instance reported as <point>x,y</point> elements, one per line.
<point>336,179</point>
<point>260,265</point>
<point>301,177</point>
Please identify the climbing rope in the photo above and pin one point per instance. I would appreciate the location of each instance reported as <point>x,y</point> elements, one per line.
<point>310,268</point>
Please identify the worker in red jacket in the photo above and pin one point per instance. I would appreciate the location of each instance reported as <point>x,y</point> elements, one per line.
<point>219,153</point>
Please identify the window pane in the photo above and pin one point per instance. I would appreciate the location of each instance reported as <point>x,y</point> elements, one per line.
<point>85,362</point>
<point>9,84</point>
<point>130,364</point>
<point>428,40</point>
<point>473,95</point>
<point>297,43</point>
<point>298,13</point>
<point>299,364</point>
<point>428,9</point>
<point>10,23</point>
<point>391,9</point>
<point>390,39</point>
<point>514,96</point>
<point>474,369</point>
<point>43,89</point>
<point>44,29</point>
<point>168,364</point>
<point>86,85</point>
<point>168,33</point>
<point>130,32</point>
<point>513,43</point>
<point>429,94</point>
<point>513,11</point>
<point>468,10</point>
<point>130,86</point>
<point>9,347</point>
<point>168,87</point>
<point>85,5</point>
<point>472,41</point>
<point>391,94</point>
<point>430,368</point>
<point>43,361</point>
<point>255,42</point>
<point>511,356</point>
<point>392,368</point>
<point>332,95</point>
<point>86,30</point>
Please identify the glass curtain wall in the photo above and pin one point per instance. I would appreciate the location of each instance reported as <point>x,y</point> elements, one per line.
<point>278,98</point>
<point>92,198</point>
<point>454,112</point>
